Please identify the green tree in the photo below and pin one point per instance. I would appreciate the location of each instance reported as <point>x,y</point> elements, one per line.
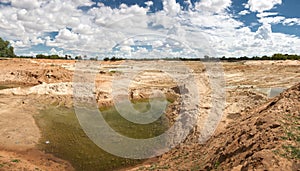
<point>78,57</point>
<point>6,50</point>
<point>40,56</point>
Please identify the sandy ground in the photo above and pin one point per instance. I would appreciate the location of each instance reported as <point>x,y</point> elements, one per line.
<point>49,81</point>
<point>22,133</point>
<point>19,136</point>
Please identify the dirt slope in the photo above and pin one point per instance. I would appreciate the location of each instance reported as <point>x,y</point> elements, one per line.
<point>265,138</point>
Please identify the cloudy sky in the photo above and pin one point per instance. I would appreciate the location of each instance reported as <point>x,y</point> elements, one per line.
<point>151,28</point>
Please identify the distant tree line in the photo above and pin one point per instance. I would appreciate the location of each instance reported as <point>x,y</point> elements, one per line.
<point>277,56</point>
<point>6,50</point>
<point>41,56</point>
<point>113,59</point>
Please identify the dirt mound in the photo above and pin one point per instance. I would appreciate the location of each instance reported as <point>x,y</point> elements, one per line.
<point>25,72</point>
<point>265,138</point>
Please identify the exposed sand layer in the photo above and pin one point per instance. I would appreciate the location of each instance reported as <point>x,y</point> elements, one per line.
<point>61,89</point>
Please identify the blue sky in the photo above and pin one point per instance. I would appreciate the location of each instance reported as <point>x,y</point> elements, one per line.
<point>157,28</point>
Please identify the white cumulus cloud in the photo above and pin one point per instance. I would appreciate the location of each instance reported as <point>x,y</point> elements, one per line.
<point>244,12</point>
<point>291,21</point>
<point>25,4</point>
<point>66,35</point>
<point>262,5</point>
<point>171,7</point>
<point>149,3</point>
<point>215,6</point>
<point>264,32</point>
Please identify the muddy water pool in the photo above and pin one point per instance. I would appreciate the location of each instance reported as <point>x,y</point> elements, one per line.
<point>63,136</point>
